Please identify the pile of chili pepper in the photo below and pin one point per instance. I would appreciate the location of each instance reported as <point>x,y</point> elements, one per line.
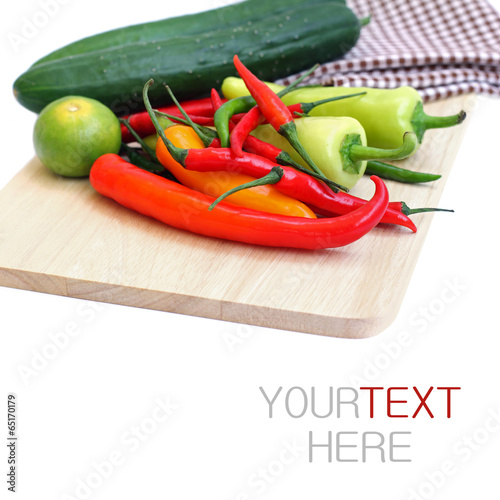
<point>201,167</point>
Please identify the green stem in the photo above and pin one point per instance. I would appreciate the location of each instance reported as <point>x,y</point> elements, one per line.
<point>358,152</point>
<point>272,177</point>
<point>178,154</point>
<point>308,106</point>
<point>289,132</point>
<point>365,20</point>
<point>422,121</point>
<point>405,209</point>
<point>285,159</point>
<point>204,138</point>
<point>163,120</point>
<point>393,173</point>
<point>301,78</point>
<point>352,151</point>
<point>207,132</point>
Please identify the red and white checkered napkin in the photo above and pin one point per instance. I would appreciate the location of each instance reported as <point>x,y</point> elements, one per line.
<point>440,47</point>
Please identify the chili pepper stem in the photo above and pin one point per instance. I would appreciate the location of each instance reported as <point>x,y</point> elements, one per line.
<point>365,20</point>
<point>405,209</point>
<point>308,106</point>
<point>206,131</point>
<point>289,132</point>
<point>204,138</point>
<point>421,121</point>
<point>178,154</point>
<point>272,177</point>
<point>353,152</point>
<point>300,79</point>
<point>171,118</point>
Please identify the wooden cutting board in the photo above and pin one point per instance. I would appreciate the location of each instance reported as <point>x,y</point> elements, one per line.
<point>59,236</point>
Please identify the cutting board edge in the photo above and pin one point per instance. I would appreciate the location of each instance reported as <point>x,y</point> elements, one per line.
<point>233,312</point>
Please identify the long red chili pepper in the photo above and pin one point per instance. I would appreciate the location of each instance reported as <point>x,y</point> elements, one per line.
<point>274,109</point>
<point>184,208</point>
<point>291,182</point>
<point>341,203</point>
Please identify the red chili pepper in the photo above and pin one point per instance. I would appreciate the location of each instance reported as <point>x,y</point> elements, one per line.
<point>274,109</point>
<point>215,100</point>
<point>339,202</point>
<point>291,182</point>
<point>141,122</point>
<point>207,121</point>
<point>252,119</point>
<point>184,208</point>
<point>259,147</point>
<point>144,128</point>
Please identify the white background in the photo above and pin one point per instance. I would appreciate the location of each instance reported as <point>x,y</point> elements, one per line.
<point>78,416</point>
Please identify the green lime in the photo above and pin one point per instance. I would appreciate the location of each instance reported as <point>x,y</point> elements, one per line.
<point>72,132</point>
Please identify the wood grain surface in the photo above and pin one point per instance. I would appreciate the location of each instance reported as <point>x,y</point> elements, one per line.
<point>59,236</point>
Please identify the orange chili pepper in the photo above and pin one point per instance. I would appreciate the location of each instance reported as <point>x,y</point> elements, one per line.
<point>185,208</point>
<point>214,184</point>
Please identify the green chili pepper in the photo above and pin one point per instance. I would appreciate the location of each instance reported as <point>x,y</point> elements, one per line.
<point>394,173</point>
<point>337,146</point>
<point>385,114</point>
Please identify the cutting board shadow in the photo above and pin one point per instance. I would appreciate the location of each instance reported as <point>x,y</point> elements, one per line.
<point>59,236</point>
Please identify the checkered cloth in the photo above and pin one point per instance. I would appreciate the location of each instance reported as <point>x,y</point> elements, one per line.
<point>441,47</point>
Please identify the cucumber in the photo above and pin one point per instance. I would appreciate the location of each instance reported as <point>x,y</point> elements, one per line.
<point>272,48</point>
<point>222,17</point>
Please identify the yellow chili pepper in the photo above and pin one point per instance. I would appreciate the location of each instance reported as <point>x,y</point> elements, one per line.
<point>264,198</point>
<point>385,114</point>
<point>337,146</point>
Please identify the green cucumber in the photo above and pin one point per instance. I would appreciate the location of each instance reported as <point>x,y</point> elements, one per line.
<point>272,48</point>
<point>190,24</point>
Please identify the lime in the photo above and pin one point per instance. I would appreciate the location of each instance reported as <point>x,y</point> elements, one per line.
<point>72,132</point>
